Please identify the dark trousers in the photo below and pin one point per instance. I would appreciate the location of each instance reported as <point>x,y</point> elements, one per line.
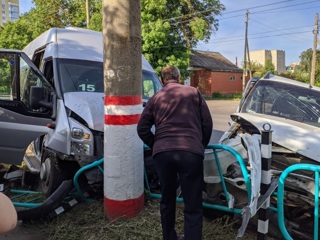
<point>188,167</point>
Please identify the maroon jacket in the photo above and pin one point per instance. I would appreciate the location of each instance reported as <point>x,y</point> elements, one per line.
<point>181,117</point>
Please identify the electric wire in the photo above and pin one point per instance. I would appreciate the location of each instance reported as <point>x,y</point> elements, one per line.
<point>234,38</point>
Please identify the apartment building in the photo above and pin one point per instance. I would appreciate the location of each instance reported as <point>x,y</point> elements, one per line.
<point>277,58</point>
<point>9,11</point>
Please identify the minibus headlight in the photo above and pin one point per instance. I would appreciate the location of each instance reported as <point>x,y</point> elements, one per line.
<point>77,133</point>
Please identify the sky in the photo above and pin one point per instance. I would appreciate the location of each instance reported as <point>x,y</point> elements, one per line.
<point>25,6</point>
<point>272,25</point>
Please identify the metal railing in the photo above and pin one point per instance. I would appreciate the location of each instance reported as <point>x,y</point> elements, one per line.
<point>245,174</point>
<point>33,203</point>
<point>281,190</point>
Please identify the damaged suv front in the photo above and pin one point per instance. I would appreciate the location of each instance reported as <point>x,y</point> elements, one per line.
<point>292,109</point>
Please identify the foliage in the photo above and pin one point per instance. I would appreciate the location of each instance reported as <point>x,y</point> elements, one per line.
<point>16,35</point>
<point>6,72</point>
<point>303,70</point>
<point>298,75</point>
<point>260,70</point>
<point>45,15</point>
<point>96,16</point>
<point>171,28</point>
<point>256,68</point>
<point>306,65</point>
<point>268,67</point>
<point>305,60</point>
<point>219,96</point>
<point>148,88</point>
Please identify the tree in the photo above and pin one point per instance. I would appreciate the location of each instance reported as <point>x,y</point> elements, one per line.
<point>268,67</point>
<point>259,70</point>
<point>45,15</point>
<point>96,16</point>
<point>171,28</point>
<point>306,64</point>
<point>255,68</point>
<point>16,35</point>
<point>305,60</point>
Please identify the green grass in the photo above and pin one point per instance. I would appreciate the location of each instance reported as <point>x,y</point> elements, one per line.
<point>87,221</point>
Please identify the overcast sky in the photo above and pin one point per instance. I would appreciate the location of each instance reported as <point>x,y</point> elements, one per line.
<point>273,25</point>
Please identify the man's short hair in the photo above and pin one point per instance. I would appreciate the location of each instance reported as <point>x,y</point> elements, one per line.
<point>170,72</point>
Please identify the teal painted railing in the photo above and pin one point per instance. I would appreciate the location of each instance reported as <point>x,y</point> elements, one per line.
<point>30,203</point>
<point>17,196</point>
<point>280,204</point>
<point>244,170</point>
<point>98,164</point>
<point>215,147</point>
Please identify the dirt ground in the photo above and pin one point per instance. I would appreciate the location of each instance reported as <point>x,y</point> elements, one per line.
<point>22,233</point>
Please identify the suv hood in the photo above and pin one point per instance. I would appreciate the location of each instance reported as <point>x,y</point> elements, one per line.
<point>89,106</point>
<point>298,137</point>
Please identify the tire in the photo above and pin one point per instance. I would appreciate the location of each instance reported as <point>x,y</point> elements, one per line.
<point>51,176</point>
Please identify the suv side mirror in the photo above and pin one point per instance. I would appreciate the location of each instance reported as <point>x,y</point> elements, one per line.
<point>37,98</point>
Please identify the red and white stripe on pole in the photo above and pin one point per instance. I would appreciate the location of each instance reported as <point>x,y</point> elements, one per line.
<point>123,153</point>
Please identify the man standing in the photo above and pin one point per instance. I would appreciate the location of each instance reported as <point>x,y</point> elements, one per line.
<point>183,128</point>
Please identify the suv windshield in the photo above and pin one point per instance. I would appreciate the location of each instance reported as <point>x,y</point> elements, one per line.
<point>284,100</point>
<point>87,76</point>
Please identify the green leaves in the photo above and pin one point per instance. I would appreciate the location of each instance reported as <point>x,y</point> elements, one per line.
<point>170,28</point>
<point>45,15</point>
<point>198,27</point>
<point>306,65</point>
<point>15,35</point>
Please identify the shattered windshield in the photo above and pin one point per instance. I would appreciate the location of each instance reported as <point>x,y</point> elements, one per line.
<point>284,100</point>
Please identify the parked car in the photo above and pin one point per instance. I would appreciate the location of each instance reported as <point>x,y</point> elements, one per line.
<point>292,109</point>
<point>59,109</point>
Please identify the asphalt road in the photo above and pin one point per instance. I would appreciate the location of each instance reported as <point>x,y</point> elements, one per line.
<point>220,112</point>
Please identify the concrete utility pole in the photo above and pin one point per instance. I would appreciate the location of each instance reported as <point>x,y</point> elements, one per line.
<point>314,51</point>
<point>249,62</point>
<point>245,54</point>
<point>88,13</point>
<point>123,150</point>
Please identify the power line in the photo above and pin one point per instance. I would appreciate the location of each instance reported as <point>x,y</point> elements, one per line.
<point>210,9</point>
<point>223,18</point>
<point>284,29</point>
<point>235,40</point>
<point>286,6</point>
<point>275,29</point>
<point>265,36</point>
<point>280,34</point>
<point>287,10</point>
<point>270,4</point>
<point>267,10</point>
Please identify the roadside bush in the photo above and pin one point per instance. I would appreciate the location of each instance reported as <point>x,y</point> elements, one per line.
<point>230,96</point>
